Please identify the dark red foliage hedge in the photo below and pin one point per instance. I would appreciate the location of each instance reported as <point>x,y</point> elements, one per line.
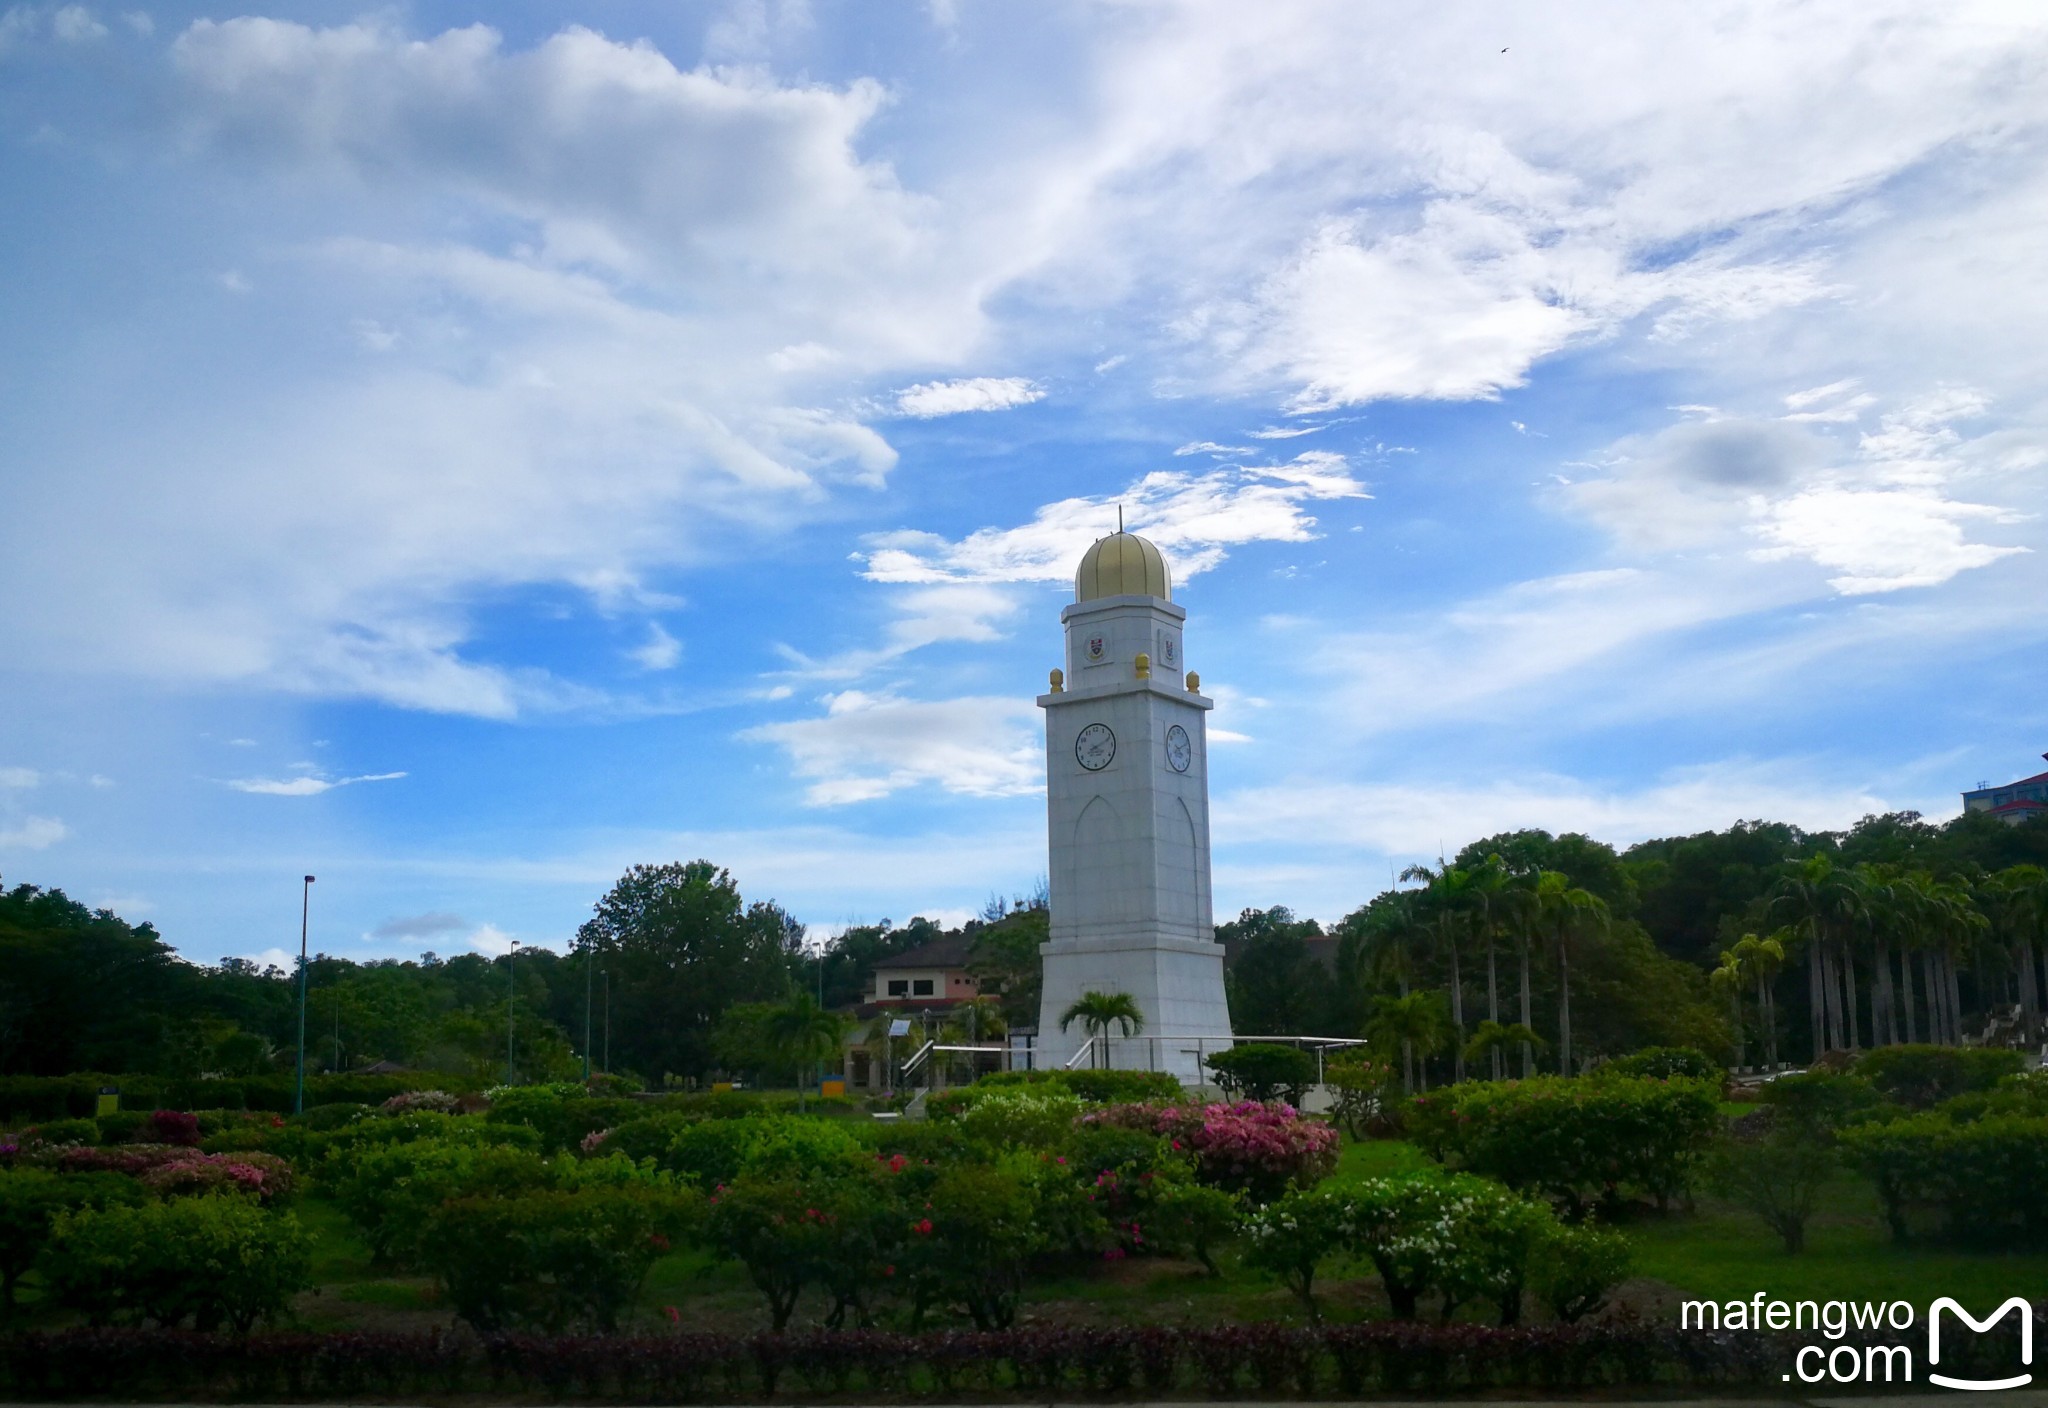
<point>1266,1361</point>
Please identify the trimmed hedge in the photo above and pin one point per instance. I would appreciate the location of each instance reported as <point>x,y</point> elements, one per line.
<point>1574,1140</point>
<point>77,1096</point>
<point>1095,1087</point>
<point>1269,1361</point>
<point>1984,1177</point>
<point>1920,1076</point>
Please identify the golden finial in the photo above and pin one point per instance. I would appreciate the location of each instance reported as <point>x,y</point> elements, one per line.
<point>1144,664</point>
<point>1194,683</point>
<point>1059,681</point>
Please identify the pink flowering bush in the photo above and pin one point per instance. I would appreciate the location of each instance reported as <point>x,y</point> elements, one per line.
<point>264,1177</point>
<point>1258,1149</point>
<point>438,1101</point>
<point>172,1127</point>
<point>131,1159</point>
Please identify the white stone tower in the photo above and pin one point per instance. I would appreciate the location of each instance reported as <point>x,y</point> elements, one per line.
<point>1127,804</point>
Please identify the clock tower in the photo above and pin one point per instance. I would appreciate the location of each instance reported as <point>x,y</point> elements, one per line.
<point>1127,810</point>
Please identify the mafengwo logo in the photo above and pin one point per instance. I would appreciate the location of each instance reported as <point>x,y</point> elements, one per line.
<point>1868,1363</point>
<point>2016,1305</point>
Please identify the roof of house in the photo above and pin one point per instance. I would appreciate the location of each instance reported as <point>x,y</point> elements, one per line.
<point>950,952</point>
<point>2037,777</point>
<point>2024,804</point>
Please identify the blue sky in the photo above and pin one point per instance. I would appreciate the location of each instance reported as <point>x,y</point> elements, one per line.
<point>461,451</point>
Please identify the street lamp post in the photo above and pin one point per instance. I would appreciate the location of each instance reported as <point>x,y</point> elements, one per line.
<point>305,906</point>
<point>586,1017</point>
<point>511,997</point>
<point>607,976</point>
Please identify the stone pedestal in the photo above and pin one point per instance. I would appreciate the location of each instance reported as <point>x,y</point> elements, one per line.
<point>1177,984</point>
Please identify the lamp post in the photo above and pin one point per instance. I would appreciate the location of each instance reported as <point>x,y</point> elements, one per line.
<point>305,906</point>
<point>511,997</point>
<point>607,976</point>
<point>586,1017</point>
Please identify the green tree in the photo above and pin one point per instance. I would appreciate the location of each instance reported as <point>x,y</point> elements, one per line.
<point>1564,913</point>
<point>1276,986</point>
<point>1415,1023</point>
<point>681,947</point>
<point>1097,1012</point>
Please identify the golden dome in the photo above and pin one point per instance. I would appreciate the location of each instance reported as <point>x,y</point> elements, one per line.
<point>1123,564</point>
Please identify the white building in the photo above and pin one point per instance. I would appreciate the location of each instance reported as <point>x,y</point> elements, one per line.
<point>1127,809</point>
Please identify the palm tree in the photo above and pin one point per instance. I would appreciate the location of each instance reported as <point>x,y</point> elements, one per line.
<point>1416,1022</point>
<point>1821,900</point>
<point>1097,1012</point>
<point>1496,1037</point>
<point>1562,911</point>
<point>803,1034</point>
<point>1490,893</point>
<point>2020,893</point>
<point>1381,948</point>
<point>1753,962</point>
<point>1446,899</point>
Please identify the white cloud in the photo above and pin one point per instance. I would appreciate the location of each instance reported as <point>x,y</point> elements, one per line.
<point>74,24</point>
<point>1210,447</point>
<point>19,777</point>
<point>1193,517</point>
<point>1880,540</point>
<point>304,786</point>
<point>868,745</point>
<point>660,651</point>
<point>1285,432</point>
<point>981,393</point>
<point>32,833</point>
<point>490,939</point>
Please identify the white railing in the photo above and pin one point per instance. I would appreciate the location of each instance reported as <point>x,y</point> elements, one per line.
<point>923,1054</point>
<point>1197,1046</point>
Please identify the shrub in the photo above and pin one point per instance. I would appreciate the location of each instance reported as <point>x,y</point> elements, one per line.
<point>980,1227</point>
<point>1459,1235</point>
<point>774,1228</point>
<point>327,1118</point>
<point>54,1132</point>
<point>707,1153</point>
<point>1819,1102</point>
<point>1779,1177</point>
<point>1575,1267</point>
<point>121,1126</point>
<point>1367,1092</point>
<point>336,1150</point>
<point>1193,1220</point>
<point>172,1127</point>
<point>1264,1071</point>
<point>1095,1087</point>
<point>264,1177</point>
<point>31,1199</point>
<point>1025,1119</point>
<point>211,1262</point>
<point>1260,1150</point>
<point>1294,1235</point>
<point>1665,1063</point>
<point>1985,1176</point>
<point>439,1102</point>
<point>561,1114</point>
<point>1573,1140</point>
<point>390,1192</point>
<point>133,1160</point>
<point>1922,1076</point>
<point>551,1260</point>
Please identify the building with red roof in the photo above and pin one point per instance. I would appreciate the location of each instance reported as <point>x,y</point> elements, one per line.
<point>2014,802</point>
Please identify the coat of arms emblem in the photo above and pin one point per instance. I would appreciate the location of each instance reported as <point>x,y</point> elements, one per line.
<point>1098,650</point>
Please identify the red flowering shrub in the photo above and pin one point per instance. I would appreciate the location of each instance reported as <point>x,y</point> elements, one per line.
<point>131,1159</point>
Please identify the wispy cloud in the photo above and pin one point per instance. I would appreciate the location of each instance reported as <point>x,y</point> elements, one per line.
<point>306,786</point>
<point>929,399</point>
<point>1193,517</point>
<point>420,926</point>
<point>868,745</point>
<point>32,833</point>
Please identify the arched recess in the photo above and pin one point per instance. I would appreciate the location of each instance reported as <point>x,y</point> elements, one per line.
<point>1192,834</point>
<point>1100,859</point>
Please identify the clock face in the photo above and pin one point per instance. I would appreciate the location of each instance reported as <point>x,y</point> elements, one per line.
<point>1095,747</point>
<point>1179,751</point>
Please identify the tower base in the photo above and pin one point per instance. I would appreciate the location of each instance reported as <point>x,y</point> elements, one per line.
<point>1177,984</point>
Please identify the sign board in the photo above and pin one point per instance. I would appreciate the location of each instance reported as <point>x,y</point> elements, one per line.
<point>900,1027</point>
<point>832,1088</point>
<point>110,1100</point>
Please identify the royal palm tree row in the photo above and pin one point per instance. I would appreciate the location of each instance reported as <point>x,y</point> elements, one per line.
<point>1884,948</point>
